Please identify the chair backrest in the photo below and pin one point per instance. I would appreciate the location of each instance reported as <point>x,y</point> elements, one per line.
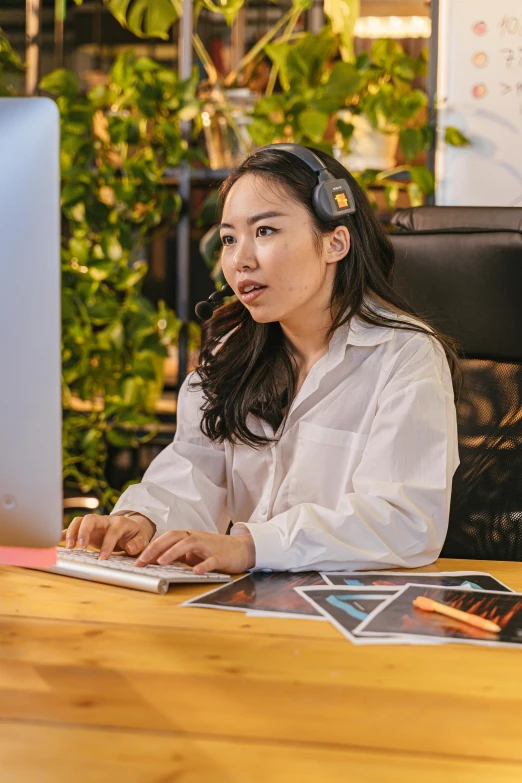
<point>467,281</point>
<point>429,218</point>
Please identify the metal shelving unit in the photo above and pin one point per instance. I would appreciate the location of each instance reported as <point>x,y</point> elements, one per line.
<point>184,178</point>
<point>183,228</point>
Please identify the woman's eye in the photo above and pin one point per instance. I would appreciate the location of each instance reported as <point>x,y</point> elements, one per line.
<point>262,231</point>
<point>266,229</point>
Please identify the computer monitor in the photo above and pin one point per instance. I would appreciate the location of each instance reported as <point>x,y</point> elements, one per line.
<point>30,366</point>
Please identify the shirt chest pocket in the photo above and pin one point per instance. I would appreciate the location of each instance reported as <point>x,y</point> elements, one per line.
<point>323,465</point>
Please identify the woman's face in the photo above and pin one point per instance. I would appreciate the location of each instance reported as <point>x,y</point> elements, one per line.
<point>267,239</point>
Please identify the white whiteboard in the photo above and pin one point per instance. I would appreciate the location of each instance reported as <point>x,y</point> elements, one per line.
<point>479,91</point>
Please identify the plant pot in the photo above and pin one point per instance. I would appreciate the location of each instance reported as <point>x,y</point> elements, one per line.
<point>369,148</point>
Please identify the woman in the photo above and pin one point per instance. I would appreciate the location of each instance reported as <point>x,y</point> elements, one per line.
<point>321,420</point>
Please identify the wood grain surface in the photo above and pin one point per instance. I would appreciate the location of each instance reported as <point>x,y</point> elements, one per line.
<point>99,683</point>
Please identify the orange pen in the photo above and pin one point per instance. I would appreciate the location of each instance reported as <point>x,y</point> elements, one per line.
<point>429,605</point>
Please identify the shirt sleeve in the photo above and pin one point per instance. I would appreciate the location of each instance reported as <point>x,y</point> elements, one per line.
<point>184,487</point>
<point>397,514</point>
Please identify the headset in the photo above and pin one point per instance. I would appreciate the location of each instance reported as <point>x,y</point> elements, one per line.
<point>331,199</point>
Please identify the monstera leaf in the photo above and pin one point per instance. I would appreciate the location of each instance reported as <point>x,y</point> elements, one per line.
<point>154,18</point>
<point>145,18</point>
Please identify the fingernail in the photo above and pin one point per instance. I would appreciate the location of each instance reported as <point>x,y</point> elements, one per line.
<point>132,547</point>
<point>70,543</point>
<point>81,541</point>
<point>102,556</point>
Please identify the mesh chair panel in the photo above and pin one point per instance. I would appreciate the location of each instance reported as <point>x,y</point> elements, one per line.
<point>463,271</point>
<point>486,505</point>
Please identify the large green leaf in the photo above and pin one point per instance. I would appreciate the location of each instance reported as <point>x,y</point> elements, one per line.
<point>317,51</point>
<point>422,177</point>
<point>103,311</point>
<point>412,102</point>
<point>278,53</point>
<point>112,337</point>
<point>72,192</point>
<point>61,82</point>
<point>298,68</point>
<point>385,51</point>
<point>411,141</point>
<point>455,137</point>
<point>344,80</point>
<point>313,124</point>
<point>404,68</point>
<point>144,18</point>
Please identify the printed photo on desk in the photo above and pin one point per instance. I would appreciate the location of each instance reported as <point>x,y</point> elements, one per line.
<point>398,616</point>
<point>269,593</point>
<point>474,580</point>
<point>347,607</point>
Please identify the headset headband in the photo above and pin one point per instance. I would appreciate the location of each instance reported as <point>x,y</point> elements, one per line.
<point>305,154</point>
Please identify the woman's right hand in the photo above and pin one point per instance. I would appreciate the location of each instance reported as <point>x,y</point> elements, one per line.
<point>107,533</point>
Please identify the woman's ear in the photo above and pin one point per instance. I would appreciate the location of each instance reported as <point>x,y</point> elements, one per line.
<point>337,244</point>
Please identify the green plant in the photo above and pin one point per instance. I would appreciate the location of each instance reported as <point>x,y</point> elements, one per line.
<point>385,96</point>
<point>377,85</point>
<point>10,65</point>
<point>310,92</point>
<point>154,18</point>
<point>116,142</point>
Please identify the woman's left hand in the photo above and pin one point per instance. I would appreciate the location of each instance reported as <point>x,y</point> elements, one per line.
<point>209,551</point>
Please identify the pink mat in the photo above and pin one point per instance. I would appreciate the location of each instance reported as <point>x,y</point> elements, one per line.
<point>25,556</point>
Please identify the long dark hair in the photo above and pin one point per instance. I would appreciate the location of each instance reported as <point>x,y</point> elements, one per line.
<point>254,371</point>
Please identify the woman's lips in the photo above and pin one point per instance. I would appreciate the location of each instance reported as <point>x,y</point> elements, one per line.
<point>253,295</point>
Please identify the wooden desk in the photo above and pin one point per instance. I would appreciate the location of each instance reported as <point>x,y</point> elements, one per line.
<point>102,684</point>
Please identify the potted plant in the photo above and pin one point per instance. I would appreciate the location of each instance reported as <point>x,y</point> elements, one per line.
<point>116,142</point>
<point>359,110</point>
<point>385,110</point>
<point>349,104</point>
<point>225,110</point>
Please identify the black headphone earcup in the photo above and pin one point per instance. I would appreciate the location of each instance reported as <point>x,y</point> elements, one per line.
<point>322,210</point>
<point>333,199</point>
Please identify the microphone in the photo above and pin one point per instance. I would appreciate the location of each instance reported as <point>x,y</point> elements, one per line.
<point>205,310</point>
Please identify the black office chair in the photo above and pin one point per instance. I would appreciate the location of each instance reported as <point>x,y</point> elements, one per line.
<point>461,267</point>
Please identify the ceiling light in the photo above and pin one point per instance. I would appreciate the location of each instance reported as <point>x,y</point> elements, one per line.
<point>393,27</point>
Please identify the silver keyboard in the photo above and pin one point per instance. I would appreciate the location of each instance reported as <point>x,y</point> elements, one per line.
<point>120,570</point>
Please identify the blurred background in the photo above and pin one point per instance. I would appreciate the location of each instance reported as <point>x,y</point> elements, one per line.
<point>159,100</point>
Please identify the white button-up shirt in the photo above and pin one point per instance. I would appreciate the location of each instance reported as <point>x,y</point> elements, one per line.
<point>360,478</point>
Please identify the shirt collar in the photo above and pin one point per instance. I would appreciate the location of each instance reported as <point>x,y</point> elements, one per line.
<point>355,332</point>
<point>358,332</point>
<point>361,333</point>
